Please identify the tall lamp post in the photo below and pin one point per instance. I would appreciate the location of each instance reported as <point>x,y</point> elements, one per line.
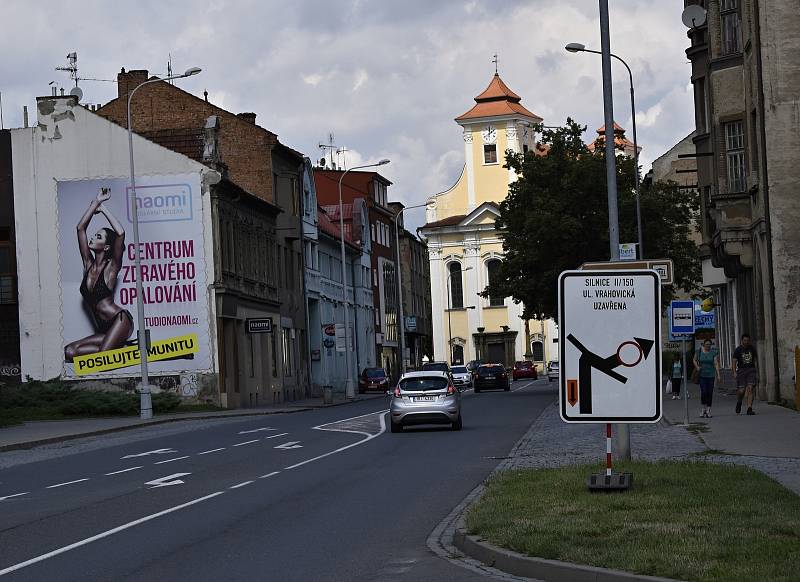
<point>449,309</point>
<point>145,403</point>
<point>576,47</point>
<point>400,286</point>
<point>349,390</point>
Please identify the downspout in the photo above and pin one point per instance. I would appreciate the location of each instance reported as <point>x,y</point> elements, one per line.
<point>775,396</point>
<point>303,168</point>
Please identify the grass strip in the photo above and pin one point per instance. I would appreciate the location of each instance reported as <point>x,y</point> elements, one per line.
<point>687,520</point>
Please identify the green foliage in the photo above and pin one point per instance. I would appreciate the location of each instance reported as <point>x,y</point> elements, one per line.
<point>57,400</point>
<point>555,218</point>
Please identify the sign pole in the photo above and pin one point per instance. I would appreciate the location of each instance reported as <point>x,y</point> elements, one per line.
<point>685,383</point>
<point>608,451</point>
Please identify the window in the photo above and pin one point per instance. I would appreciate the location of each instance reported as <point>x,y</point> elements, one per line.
<point>730,33</point>
<point>754,142</point>
<point>372,227</point>
<point>458,355</point>
<point>537,349</point>
<point>700,105</point>
<point>490,154</point>
<point>456,288</point>
<point>7,293</point>
<point>493,275</point>
<point>734,153</point>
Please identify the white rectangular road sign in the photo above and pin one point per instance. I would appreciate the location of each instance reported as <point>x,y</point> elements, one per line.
<point>610,347</point>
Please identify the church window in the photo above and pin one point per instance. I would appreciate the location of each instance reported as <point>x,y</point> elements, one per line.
<point>456,286</point>
<point>490,154</point>
<point>493,275</point>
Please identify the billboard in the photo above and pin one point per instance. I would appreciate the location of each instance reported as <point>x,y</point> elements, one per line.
<point>98,275</point>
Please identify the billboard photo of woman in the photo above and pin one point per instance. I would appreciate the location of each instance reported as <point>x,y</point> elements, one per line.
<point>102,255</point>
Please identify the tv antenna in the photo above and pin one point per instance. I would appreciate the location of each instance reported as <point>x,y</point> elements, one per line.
<point>72,69</point>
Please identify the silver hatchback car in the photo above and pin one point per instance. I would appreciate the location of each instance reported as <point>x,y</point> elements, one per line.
<point>425,398</point>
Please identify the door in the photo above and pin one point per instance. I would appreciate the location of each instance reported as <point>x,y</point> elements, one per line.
<point>496,353</point>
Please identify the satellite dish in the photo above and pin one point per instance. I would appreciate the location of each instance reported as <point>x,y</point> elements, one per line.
<point>77,92</point>
<point>693,16</point>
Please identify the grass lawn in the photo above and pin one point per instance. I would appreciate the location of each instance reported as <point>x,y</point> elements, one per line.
<point>684,520</point>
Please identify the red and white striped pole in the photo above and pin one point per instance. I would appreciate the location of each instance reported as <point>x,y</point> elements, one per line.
<point>608,450</point>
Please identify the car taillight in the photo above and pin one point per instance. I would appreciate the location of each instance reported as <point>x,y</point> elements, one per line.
<point>397,392</point>
<point>451,390</point>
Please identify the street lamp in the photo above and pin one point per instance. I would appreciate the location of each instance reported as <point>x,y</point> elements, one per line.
<point>349,390</point>
<point>576,47</point>
<point>449,309</point>
<point>145,403</point>
<point>400,287</point>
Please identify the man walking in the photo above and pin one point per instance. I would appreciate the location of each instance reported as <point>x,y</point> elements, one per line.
<point>745,369</point>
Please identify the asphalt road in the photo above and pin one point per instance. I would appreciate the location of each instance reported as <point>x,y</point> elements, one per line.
<point>328,494</point>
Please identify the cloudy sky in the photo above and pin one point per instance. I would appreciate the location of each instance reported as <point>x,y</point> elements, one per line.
<point>386,78</point>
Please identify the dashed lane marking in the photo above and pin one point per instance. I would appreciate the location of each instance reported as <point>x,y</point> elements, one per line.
<point>123,471</point>
<point>241,485</point>
<point>212,451</point>
<point>170,460</point>
<point>274,436</point>
<point>67,483</point>
<point>246,443</point>
<point>268,475</point>
<point>14,495</point>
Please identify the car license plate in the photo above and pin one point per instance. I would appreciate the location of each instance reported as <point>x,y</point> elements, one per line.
<point>424,398</point>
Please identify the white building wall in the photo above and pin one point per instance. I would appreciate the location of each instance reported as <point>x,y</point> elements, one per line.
<point>72,143</point>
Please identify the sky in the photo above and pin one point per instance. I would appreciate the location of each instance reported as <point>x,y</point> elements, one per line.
<point>385,78</point>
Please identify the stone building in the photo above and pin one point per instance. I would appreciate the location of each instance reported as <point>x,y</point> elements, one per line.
<point>464,247</point>
<point>747,93</point>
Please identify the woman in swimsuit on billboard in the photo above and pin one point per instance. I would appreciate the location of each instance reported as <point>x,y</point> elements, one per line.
<point>102,261</point>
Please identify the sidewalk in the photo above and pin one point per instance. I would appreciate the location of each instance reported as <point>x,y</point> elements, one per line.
<point>32,434</point>
<point>774,431</point>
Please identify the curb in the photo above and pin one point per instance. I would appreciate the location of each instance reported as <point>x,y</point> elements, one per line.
<point>211,415</point>
<point>539,568</point>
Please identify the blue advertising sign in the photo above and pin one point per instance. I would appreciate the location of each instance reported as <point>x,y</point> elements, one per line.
<point>681,318</point>
<point>704,319</point>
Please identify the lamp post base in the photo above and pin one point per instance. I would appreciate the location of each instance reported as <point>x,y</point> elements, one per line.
<point>349,391</point>
<point>145,402</point>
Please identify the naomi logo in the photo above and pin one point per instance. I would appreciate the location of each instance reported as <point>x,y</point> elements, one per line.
<point>161,203</point>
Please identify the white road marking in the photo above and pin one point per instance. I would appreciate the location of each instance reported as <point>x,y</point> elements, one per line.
<point>124,470</point>
<point>105,534</point>
<point>256,430</point>
<point>170,460</point>
<point>145,454</point>
<point>167,481</point>
<point>274,436</point>
<point>289,445</point>
<point>18,494</point>
<point>268,475</point>
<point>368,438</point>
<point>524,386</point>
<point>212,451</point>
<point>245,443</point>
<point>240,485</point>
<point>67,483</point>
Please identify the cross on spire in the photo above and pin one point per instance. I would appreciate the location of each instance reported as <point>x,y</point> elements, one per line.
<point>494,60</point>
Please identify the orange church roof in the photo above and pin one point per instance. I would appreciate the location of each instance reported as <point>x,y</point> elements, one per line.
<point>497,100</point>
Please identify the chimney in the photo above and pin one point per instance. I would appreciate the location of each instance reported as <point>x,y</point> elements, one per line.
<point>24,116</point>
<point>248,117</point>
<point>128,81</point>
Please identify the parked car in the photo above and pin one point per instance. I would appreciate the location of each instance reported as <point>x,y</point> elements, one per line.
<point>552,371</point>
<point>524,369</point>
<point>373,379</point>
<point>436,367</point>
<point>462,377</point>
<point>427,397</point>
<point>491,376</point>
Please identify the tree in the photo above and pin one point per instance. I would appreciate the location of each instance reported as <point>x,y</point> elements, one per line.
<point>555,218</point>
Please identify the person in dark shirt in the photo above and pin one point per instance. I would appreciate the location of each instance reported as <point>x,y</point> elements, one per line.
<point>745,368</point>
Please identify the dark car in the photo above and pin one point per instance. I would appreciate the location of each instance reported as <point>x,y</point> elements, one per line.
<point>491,377</point>
<point>373,379</point>
<point>524,369</point>
<point>436,367</point>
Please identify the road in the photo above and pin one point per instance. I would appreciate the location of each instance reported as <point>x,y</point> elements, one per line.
<point>327,494</point>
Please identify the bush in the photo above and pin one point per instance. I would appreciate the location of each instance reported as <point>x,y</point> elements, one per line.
<point>165,402</point>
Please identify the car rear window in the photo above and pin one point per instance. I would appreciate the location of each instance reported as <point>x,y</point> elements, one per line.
<point>375,373</point>
<point>490,370</point>
<point>524,364</point>
<point>423,384</point>
<point>459,370</point>
<point>435,367</point>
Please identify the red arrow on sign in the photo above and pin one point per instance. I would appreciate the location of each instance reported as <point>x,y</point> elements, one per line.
<point>572,392</point>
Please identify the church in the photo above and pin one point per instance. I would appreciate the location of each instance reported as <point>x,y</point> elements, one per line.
<point>465,249</point>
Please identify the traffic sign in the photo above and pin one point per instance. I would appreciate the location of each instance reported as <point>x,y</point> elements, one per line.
<point>664,267</point>
<point>610,352</point>
<point>681,318</point>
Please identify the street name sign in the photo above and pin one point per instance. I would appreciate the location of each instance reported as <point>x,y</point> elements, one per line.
<point>610,351</point>
<point>664,267</point>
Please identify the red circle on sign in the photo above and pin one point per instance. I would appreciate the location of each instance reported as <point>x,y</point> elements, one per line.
<point>621,361</point>
<point>330,329</point>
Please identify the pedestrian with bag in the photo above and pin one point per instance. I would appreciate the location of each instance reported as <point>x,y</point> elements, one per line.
<point>706,364</point>
<point>745,369</point>
<point>676,377</point>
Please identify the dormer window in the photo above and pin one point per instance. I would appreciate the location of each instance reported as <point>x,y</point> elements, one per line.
<point>490,153</point>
